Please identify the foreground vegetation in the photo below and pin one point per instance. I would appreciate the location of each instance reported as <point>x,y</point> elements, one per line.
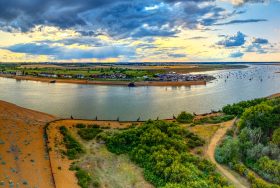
<point>73,148</point>
<point>253,147</point>
<point>162,150</point>
<point>185,117</point>
<point>89,132</point>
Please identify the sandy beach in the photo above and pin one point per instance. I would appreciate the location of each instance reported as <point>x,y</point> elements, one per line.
<point>116,83</point>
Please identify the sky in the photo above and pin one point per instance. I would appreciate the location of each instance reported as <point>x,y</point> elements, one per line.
<point>139,30</point>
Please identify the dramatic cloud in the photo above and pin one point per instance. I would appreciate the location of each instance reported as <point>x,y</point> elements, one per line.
<point>60,52</point>
<point>96,30</point>
<point>242,21</point>
<point>117,18</point>
<point>233,41</point>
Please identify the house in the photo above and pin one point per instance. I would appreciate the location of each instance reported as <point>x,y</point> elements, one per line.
<point>19,73</point>
<point>49,75</point>
<point>80,76</point>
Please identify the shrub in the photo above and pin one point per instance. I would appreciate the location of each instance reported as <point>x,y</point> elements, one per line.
<point>84,178</point>
<point>161,149</point>
<point>276,137</point>
<point>79,125</point>
<point>89,133</point>
<point>238,108</point>
<point>214,119</point>
<point>228,151</point>
<point>74,148</point>
<point>269,169</point>
<point>258,116</point>
<point>185,117</point>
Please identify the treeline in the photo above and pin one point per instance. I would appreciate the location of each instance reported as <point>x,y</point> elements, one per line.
<point>237,109</point>
<point>185,117</point>
<point>162,150</point>
<point>257,142</point>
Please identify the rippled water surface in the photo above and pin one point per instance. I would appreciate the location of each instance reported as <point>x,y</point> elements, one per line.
<point>110,102</point>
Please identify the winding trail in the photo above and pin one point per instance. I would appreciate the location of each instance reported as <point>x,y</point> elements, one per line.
<point>233,177</point>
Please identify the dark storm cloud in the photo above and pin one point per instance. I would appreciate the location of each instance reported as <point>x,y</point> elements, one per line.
<point>233,41</point>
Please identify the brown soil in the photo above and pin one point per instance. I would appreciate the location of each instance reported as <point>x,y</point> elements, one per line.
<point>23,157</point>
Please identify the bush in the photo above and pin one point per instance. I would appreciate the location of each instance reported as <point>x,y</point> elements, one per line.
<point>238,108</point>
<point>161,149</point>
<point>74,148</point>
<point>276,137</point>
<point>89,133</point>
<point>213,119</point>
<point>185,117</point>
<point>79,125</point>
<point>228,151</point>
<point>269,169</point>
<point>84,178</point>
<point>258,116</point>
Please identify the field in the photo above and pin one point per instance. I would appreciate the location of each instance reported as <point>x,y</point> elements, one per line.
<point>186,68</point>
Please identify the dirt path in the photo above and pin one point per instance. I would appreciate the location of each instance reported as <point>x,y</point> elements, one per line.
<point>233,177</point>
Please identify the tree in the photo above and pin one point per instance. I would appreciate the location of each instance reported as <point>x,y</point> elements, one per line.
<point>258,116</point>
<point>185,117</point>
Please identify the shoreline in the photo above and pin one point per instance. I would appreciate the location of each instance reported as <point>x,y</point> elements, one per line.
<point>110,83</point>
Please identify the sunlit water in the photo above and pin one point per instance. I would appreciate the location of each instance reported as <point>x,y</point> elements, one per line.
<point>110,102</point>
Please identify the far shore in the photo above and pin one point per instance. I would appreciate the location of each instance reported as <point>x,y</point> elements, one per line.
<point>112,83</point>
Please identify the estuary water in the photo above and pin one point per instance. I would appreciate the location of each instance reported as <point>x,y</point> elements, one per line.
<point>111,102</point>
